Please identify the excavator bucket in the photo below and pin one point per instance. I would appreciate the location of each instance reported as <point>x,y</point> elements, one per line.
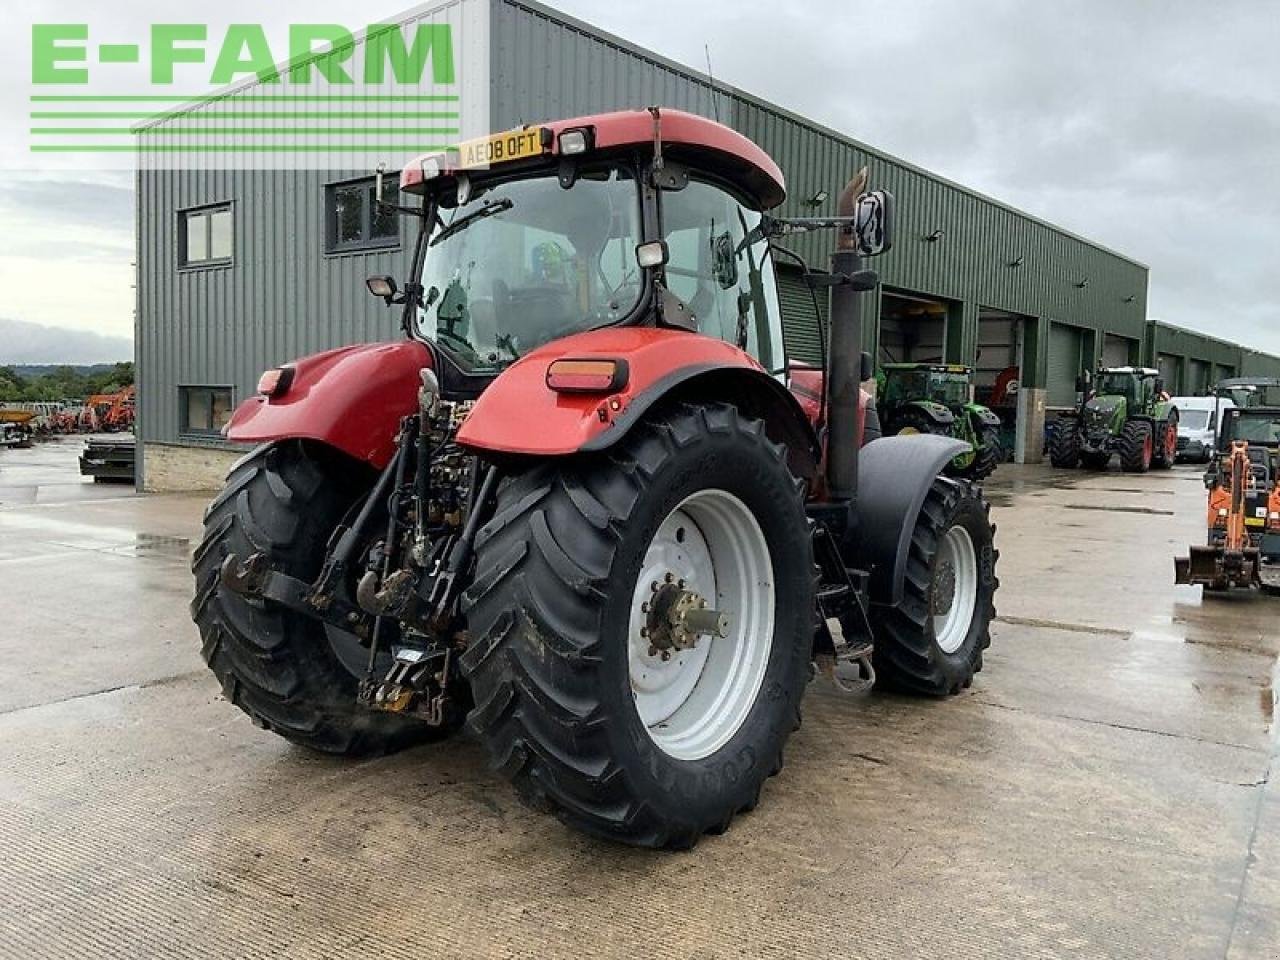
<point>1218,568</point>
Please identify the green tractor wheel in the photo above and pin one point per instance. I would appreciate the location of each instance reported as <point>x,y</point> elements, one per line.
<point>1064,448</point>
<point>984,459</point>
<point>1166,443</point>
<point>910,421</point>
<point>1137,447</point>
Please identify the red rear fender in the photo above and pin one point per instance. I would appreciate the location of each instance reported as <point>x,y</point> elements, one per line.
<point>351,398</point>
<point>519,413</point>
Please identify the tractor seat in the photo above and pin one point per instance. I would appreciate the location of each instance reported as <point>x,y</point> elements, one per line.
<point>1260,461</point>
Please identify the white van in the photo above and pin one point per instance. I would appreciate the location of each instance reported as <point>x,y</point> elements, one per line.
<point>1198,426</point>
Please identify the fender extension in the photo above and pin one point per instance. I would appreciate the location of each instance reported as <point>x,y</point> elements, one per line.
<point>894,477</point>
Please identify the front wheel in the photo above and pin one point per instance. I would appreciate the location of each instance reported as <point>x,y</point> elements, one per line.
<point>642,625</point>
<point>985,458</point>
<point>932,642</point>
<point>1064,448</point>
<point>1137,447</point>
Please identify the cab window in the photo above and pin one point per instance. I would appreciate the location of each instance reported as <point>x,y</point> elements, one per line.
<point>727,284</point>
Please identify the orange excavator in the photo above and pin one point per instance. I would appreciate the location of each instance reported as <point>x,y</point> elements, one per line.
<point>113,411</point>
<point>1243,547</point>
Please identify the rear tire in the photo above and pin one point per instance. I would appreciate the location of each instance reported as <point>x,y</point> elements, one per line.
<point>1064,450</point>
<point>1137,446</point>
<point>278,666</point>
<point>986,458</point>
<point>911,420</point>
<point>556,663</point>
<point>932,642</point>
<point>1165,452</point>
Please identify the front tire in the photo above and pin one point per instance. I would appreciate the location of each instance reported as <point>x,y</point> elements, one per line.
<point>284,669</point>
<point>986,458</point>
<point>1064,450</point>
<point>1137,446</point>
<point>569,696</point>
<point>932,642</point>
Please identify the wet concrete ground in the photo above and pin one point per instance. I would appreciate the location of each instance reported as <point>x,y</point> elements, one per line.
<point>1103,790</point>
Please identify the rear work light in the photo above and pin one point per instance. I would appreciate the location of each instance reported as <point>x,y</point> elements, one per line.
<point>587,376</point>
<point>275,382</point>
<point>575,141</point>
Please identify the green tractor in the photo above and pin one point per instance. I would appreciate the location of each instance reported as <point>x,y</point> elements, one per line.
<point>1125,412</point>
<point>935,398</point>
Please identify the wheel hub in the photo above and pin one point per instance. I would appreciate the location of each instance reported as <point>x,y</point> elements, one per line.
<point>676,617</point>
<point>944,591</point>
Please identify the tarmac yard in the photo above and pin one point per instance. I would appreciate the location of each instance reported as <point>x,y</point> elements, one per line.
<point>1103,790</point>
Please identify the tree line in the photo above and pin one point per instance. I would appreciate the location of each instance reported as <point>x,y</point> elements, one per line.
<point>64,383</point>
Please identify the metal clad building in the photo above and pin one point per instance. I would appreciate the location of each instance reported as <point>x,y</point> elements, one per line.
<point>969,280</point>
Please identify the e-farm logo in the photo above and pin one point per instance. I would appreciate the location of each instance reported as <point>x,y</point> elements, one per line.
<point>339,96</point>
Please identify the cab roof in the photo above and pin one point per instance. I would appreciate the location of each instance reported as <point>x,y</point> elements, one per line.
<point>688,138</point>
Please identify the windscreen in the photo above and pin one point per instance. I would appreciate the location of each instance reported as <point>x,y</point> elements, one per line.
<point>524,262</point>
<point>1193,419</point>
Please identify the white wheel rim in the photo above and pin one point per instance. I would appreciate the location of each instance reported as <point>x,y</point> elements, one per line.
<point>694,702</point>
<point>955,589</point>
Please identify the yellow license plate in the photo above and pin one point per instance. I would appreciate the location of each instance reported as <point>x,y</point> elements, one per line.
<point>501,148</point>
<point>1254,522</point>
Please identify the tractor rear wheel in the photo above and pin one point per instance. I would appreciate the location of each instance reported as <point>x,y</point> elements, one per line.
<point>592,694</point>
<point>911,420</point>
<point>986,458</point>
<point>290,673</point>
<point>1166,443</point>
<point>1064,449</point>
<point>932,642</point>
<point>1137,447</point>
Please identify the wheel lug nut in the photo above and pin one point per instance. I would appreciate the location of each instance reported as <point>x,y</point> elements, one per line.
<point>666,655</point>
<point>680,584</point>
<point>644,607</point>
<point>653,651</point>
<point>669,577</point>
<point>644,632</point>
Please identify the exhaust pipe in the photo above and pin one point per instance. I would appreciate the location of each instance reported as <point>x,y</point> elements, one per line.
<point>844,351</point>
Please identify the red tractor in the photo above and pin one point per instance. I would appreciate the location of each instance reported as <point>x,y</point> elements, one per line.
<point>578,506</point>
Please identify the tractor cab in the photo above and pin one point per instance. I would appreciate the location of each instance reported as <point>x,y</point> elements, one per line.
<point>550,231</point>
<point>1137,385</point>
<point>943,384</point>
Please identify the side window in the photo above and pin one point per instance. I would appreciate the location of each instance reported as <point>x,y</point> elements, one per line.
<point>203,411</point>
<point>205,236</point>
<point>355,221</point>
<point>727,283</point>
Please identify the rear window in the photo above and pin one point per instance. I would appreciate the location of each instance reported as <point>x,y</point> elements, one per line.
<point>1194,419</point>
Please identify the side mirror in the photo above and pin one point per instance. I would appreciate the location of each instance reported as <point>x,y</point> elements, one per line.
<point>384,287</point>
<point>724,261</point>
<point>873,223</point>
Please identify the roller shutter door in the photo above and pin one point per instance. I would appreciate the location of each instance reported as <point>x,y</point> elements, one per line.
<point>1064,364</point>
<point>800,329</point>
<point>1198,375</point>
<point>1115,351</point>
<point>1168,367</point>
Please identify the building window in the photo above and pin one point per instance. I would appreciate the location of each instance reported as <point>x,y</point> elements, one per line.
<point>204,236</point>
<point>204,411</point>
<point>353,219</point>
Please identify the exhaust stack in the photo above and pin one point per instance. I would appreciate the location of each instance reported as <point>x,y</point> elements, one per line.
<point>844,347</point>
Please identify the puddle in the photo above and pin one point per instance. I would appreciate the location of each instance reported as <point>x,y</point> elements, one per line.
<point>1090,506</point>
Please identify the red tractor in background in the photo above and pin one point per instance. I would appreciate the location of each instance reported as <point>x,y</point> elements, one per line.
<point>578,506</point>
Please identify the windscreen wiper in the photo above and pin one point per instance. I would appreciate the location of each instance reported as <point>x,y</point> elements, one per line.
<point>490,208</point>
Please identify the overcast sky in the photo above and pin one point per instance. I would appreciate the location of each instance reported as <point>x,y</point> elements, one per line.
<point>1152,127</point>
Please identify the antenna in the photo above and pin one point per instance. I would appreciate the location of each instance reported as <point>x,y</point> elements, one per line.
<point>715,102</point>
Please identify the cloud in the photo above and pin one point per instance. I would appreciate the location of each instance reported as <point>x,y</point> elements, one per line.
<point>22,342</point>
<point>1150,127</point>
